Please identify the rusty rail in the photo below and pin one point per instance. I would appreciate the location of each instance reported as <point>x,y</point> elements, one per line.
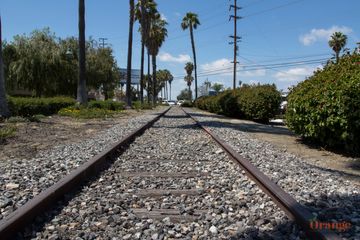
<point>287,203</point>
<point>24,215</point>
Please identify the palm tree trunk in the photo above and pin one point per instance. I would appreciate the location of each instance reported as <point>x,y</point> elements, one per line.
<point>128,72</point>
<point>337,56</point>
<point>142,72</point>
<point>154,78</point>
<point>142,23</point>
<point>189,94</point>
<point>170,89</point>
<point>149,77</point>
<point>4,110</point>
<point>194,54</point>
<point>167,93</point>
<point>81,89</point>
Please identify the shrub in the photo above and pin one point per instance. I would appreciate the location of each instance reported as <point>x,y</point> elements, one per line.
<point>86,113</point>
<point>228,101</point>
<point>187,104</point>
<point>258,102</point>
<point>27,107</point>
<point>138,106</point>
<point>107,105</point>
<point>6,132</point>
<point>255,102</point>
<point>326,107</point>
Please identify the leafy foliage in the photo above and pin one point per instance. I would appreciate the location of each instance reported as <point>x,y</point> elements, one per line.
<point>184,94</point>
<point>255,102</point>
<point>86,113</point>
<point>107,105</point>
<point>27,107</point>
<point>6,132</point>
<point>326,107</point>
<point>44,65</point>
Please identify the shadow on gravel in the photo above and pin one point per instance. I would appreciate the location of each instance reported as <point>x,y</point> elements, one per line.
<point>175,116</point>
<point>38,224</point>
<point>247,127</point>
<point>341,209</point>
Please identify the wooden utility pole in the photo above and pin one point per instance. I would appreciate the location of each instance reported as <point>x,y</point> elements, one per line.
<point>235,17</point>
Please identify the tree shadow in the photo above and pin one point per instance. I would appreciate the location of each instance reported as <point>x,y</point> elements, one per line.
<point>340,209</point>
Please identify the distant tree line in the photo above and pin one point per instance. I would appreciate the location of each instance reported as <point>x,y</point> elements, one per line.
<point>43,64</point>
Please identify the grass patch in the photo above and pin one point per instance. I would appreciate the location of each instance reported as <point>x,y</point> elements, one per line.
<point>87,113</point>
<point>6,132</point>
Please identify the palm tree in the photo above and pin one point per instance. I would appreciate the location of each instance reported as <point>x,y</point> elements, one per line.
<point>143,12</point>
<point>191,21</point>
<point>157,35</point>
<point>337,42</point>
<point>170,81</point>
<point>81,89</point>
<point>207,85</point>
<point>129,57</point>
<point>4,110</point>
<point>189,67</point>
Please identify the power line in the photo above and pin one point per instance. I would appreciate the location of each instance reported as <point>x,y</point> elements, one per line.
<point>255,67</point>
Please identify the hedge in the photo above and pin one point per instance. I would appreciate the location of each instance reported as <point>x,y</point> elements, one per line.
<point>325,108</point>
<point>27,107</point>
<point>254,102</point>
<point>107,105</point>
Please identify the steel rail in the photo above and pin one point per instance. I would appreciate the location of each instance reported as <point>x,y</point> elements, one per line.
<point>287,203</point>
<point>17,220</point>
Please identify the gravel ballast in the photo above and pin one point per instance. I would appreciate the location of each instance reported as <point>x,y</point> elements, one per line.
<point>173,182</point>
<point>22,179</point>
<point>326,193</point>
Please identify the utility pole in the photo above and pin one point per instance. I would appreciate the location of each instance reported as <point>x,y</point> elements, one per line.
<point>102,43</point>
<point>235,17</point>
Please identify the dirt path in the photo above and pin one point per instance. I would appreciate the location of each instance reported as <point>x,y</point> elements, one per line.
<point>282,137</point>
<point>32,137</point>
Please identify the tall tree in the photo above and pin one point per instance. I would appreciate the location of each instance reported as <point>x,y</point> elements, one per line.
<point>157,35</point>
<point>207,85</point>
<point>129,57</point>
<point>217,87</point>
<point>4,110</point>
<point>189,67</point>
<point>191,21</point>
<point>171,78</point>
<point>337,42</point>
<point>144,11</point>
<point>81,89</point>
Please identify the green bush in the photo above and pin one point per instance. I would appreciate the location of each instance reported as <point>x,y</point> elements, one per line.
<point>138,106</point>
<point>107,105</point>
<point>187,104</point>
<point>259,102</point>
<point>86,113</point>
<point>6,132</point>
<point>27,107</point>
<point>254,102</point>
<point>326,107</point>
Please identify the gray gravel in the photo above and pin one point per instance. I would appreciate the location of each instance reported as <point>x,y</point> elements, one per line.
<point>216,199</point>
<point>324,192</point>
<point>22,179</point>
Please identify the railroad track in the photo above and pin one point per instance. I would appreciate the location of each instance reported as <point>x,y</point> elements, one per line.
<point>168,179</point>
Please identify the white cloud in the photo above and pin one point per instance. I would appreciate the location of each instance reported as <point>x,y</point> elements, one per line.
<point>295,74</point>
<point>177,14</point>
<point>322,34</point>
<point>218,66</point>
<point>254,73</point>
<point>167,57</point>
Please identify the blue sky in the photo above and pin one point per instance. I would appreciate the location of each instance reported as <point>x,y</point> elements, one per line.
<point>273,32</point>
